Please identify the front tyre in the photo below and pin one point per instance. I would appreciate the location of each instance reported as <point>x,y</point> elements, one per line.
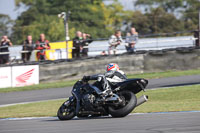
<point>66,112</point>
<point>129,102</point>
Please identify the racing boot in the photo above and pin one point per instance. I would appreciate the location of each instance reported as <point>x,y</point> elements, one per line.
<point>107,92</point>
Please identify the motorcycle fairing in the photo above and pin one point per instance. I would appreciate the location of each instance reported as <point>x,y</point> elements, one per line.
<point>135,85</point>
<point>76,93</point>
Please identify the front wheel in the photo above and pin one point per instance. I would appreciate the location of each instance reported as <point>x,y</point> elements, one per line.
<point>129,102</point>
<point>66,112</point>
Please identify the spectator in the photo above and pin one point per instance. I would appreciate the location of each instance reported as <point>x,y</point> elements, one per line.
<point>77,42</point>
<point>28,47</point>
<point>5,43</point>
<point>87,39</point>
<point>196,36</point>
<point>103,53</point>
<point>42,44</point>
<point>114,41</point>
<point>131,40</point>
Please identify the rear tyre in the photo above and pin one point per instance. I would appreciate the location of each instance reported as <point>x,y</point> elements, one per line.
<point>129,102</point>
<point>65,112</point>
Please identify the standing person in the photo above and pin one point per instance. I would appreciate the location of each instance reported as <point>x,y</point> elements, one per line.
<point>196,36</point>
<point>28,47</point>
<point>77,42</point>
<point>42,44</point>
<point>114,41</point>
<point>131,40</point>
<point>5,43</point>
<point>103,53</point>
<point>87,39</point>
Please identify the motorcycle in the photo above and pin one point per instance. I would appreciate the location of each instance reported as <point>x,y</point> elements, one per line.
<point>87,101</point>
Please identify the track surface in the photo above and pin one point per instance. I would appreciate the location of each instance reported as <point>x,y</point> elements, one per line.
<point>142,123</point>
<point>56,93</point>
<point>185,122</point>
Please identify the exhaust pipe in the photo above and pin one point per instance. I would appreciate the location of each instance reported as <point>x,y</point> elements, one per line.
<point>141,100</point>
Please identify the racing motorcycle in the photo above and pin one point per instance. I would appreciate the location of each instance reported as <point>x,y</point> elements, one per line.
<point>87,101</point>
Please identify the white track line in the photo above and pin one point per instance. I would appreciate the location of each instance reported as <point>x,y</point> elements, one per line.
<point>37,118</point>
<point>6,105</point>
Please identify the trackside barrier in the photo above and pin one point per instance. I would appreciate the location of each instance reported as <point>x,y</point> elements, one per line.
<point>59,50</point>
<point>16,76</point>
<point>5,77</point>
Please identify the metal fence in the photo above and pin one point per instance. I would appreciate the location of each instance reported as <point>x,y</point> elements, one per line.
<point>96,47</point>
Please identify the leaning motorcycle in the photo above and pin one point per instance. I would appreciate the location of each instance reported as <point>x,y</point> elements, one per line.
<point>87,101</point>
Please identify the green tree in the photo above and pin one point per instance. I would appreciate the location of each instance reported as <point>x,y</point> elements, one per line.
<point>187,9</point>
<point>5,24</point>
<point>90,16</point>
<point>138,20</point>
<point>163,22</point>
<point>167,5</point>
<point>113,15</point>
<point>155,21</point>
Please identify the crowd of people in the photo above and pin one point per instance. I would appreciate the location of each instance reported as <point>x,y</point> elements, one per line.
<point>80,45</point>
<point>116,40</point>
<point>82,40</point>
<point>28,46</point>
<point>40,45</point>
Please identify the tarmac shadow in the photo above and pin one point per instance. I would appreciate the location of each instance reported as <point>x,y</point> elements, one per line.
<point>83,118</point>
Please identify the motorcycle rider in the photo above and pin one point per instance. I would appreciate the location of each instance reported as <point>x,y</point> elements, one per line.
<point>106,80</point>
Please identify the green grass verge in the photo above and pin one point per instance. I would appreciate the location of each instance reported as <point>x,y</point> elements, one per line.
<point>38,109</point>
<point>40,86</point>
<point>172,99</point>
<point>166,74</point>
<point>70,83</point>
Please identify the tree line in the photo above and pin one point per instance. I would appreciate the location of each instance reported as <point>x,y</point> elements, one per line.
<point>100,20</point>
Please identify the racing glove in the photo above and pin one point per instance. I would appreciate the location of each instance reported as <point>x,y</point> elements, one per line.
<point>86,78</point>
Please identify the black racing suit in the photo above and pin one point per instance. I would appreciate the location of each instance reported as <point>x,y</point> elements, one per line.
<point>105,81</point>
<point>77,42</point>
<point>4,58</point>
<point>85,43</point>
<point>27,46</point>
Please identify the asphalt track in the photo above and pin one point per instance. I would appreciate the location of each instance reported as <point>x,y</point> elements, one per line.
<point>174,122</point>
<point>185,122</point>
<point>57,93</point>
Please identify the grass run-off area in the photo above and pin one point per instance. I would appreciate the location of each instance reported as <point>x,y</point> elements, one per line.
<point>161,100</point>
<point>61,84</point>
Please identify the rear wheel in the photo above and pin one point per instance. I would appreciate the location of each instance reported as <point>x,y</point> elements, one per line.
<point>129,102</point>
<point>66,112</point>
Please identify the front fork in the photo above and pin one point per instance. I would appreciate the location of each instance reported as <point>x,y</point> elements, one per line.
<point>69,101</point>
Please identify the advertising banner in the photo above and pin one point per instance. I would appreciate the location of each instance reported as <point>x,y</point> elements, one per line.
<point>58,50</point>
<point>25,75</point>
<point>5,77</point>
<point>61,46</point>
